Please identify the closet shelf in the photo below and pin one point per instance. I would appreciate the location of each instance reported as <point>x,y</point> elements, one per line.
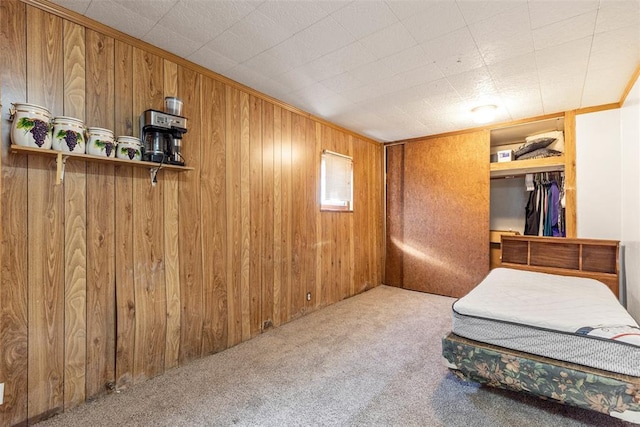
<point>522,167</point>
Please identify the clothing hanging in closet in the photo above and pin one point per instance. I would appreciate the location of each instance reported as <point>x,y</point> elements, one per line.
<point>544,213</point>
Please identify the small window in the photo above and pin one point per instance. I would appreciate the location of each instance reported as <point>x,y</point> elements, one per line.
<point>336,182</point>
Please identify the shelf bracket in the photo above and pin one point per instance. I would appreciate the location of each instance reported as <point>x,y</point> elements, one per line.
<point>153,172</point>
<point>61,162</point>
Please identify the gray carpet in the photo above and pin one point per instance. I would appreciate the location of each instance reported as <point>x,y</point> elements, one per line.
<point>371,360</point>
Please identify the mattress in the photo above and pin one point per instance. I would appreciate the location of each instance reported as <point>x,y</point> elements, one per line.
<point>572,319</point>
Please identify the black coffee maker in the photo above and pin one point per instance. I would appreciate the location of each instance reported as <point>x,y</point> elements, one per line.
<point>161,135</point>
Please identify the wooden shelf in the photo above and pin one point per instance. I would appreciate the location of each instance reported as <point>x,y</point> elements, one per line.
<point>521,167</point>
<point>61,158</point>
<point>594,258</point>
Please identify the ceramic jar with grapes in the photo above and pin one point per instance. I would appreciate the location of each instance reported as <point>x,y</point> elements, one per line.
<point>100,142</point>
<point>31,126</point>
<point>129,148</point>
<point>68,135</point>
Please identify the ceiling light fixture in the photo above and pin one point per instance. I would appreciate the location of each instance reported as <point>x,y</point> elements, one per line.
<point>484,113</point>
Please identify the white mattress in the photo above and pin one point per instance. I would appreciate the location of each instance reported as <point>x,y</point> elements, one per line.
<point>573,319</point>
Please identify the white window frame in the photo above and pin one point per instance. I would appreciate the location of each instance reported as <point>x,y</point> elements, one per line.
<point>336,182</point>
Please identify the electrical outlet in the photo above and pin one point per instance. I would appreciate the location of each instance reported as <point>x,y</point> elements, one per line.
<point>308,296</point>
<point>1,393</point>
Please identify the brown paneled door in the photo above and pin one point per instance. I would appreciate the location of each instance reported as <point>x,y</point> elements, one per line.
<point>438,214</point>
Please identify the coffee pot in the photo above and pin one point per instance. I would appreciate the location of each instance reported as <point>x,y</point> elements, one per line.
<point>161,133</point>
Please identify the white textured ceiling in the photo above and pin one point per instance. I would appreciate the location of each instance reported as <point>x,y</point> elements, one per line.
<point>398,69</point>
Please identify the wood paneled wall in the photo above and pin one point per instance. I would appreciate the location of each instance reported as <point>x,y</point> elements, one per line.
<point>107,281</point>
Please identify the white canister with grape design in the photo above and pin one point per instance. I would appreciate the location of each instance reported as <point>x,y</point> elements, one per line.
<point>100,142</point>
<point>129,148</point>
<point>31,126</point>
<point>68,135</point>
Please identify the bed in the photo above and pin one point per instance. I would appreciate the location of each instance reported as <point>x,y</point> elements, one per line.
<point>548,323</point>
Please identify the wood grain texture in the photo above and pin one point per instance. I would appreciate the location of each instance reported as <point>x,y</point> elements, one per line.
<point>234,217</point>
<point>214,217</point>
<point>351,267</point>
<point>275,311</point>
<point>394,216</point>
<point>100,94</point>
<point>45,214</point>
<point>319,290</point>
<point>121,294</point>
<point>298,220</point>
<point>172,269</point>
<point>171,241</point>
<point>266,201</point>
<point>379,202</point>
<point>287,217</point>
<point>360,217</point>
<point>570,173</point>
<point>597,259</point>
<point>244,165</point>
<point>124,280</point>
<point>148,234</point>
<point>328,288</point>
<point>343,232</point>
<point>100,280</point>
<point>75,211</point>
<point>190,220</point>
<point>13,221</point>
<point>446,178</point>
<point>312,211</point>
<point>258,203</point>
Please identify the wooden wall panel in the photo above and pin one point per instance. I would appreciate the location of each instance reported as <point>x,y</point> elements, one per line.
<point>244,316</point>
<point>570,174</point>
<point>148,233</point>
<point>311,169</point>
<point>127,279</point>
<point>75,211</point>
<point>360,216</point>
<point>351,273</point>
<point>343,242</point>
<point>234,217</point>
<point>394,231</point>
<point>286,238</point>
<point>45,84</point>
<point>100,221</point>
<point>267,208</point>
<point>171,241</point>
<point>172,270</point>
<point>14,258</point>
<point>329,288</point>
<point>189,220</point>
<point>337,235</point>
<point>318,290</point>
<point>298,276</point>
<point>214,217</point>
<point>123,203</point>
<point>258,205</point>
<point>273,313</point>
<point>376,224</point>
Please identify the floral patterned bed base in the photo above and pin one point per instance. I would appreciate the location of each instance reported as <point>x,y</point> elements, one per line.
<point>566,383</point>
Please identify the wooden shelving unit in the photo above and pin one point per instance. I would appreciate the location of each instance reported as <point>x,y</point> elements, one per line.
<point>61,158</point>
<point>521,167</point>
<point>594,258</point>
